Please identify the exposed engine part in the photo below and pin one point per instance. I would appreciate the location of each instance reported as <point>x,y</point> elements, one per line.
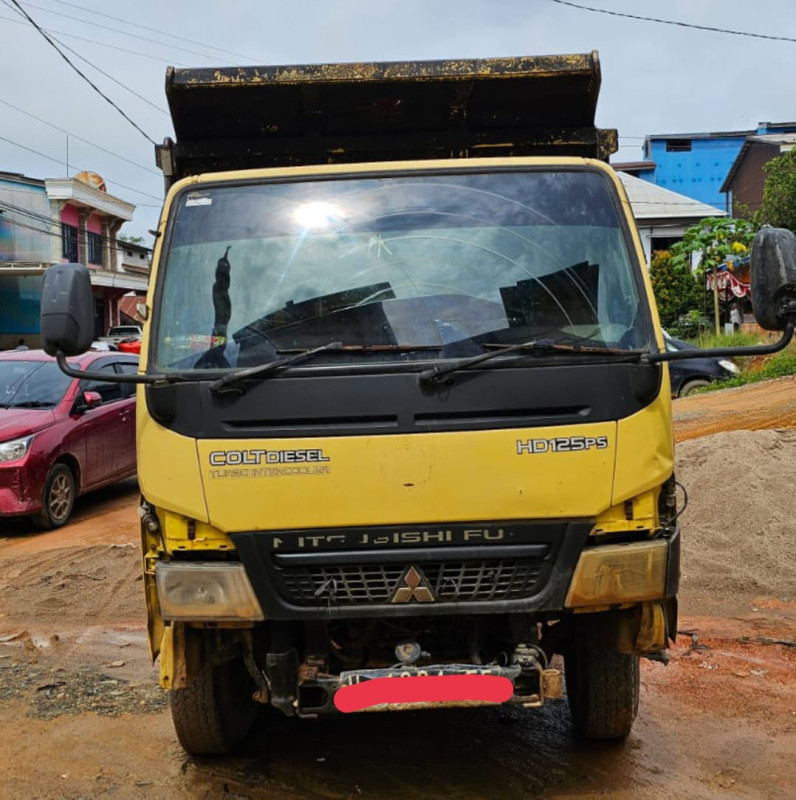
<point>281,670</point>
<point>408,652</point>
<point>529,655</point>
<point>530,684</point>
<point>262,693</point>
<point>552,684</point>
<point>146,513</point>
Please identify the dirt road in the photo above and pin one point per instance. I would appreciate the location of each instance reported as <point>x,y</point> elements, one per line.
<point>756,406</point>
<point>81,715</point>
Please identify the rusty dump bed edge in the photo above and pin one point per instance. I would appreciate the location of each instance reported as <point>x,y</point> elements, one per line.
<point>247,117</point>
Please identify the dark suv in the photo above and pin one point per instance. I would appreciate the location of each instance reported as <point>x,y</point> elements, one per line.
<point>691,374</point>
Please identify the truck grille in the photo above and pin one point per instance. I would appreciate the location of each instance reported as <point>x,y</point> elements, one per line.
<point>451,581</point>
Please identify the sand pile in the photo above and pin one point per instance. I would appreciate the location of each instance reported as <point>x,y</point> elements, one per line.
<point>739,531</point>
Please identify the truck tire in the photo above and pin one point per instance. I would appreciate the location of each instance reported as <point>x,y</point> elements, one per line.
<point>602,689</point>
<point>215,713</point>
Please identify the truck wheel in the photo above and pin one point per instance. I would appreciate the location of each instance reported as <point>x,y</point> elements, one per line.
<point>58,498</point>
<point>602,689</point>
<point>215,712</point>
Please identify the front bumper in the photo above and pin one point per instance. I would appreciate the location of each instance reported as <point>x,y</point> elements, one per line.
<point>405,688</point>
<point>19,495</point>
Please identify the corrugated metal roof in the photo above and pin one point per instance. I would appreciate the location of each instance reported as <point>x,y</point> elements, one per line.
<point>775,138</point>
<point>649,201</point>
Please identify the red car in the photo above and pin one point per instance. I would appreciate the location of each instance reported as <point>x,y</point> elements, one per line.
<point>61,436</point>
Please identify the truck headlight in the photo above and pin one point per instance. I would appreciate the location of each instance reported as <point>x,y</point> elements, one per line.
<point>730,366</point>
<point>204,591</point>
<point>15,449</point>
<point>619,573</point>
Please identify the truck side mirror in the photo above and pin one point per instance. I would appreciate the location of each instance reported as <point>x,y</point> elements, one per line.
<point>773,277</point>
<point>67,310</point>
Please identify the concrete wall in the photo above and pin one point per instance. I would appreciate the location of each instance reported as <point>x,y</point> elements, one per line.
<point>749,180</point>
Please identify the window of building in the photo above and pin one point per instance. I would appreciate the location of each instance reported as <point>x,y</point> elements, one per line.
<point>663,242</point>
<point>69,242</point>
<point>678,145</point>
<point>94,248</point>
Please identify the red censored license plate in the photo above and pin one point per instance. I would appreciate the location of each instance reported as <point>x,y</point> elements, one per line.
<point>421,688</point>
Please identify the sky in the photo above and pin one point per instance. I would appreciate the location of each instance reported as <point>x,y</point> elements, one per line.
<point>655,78</point>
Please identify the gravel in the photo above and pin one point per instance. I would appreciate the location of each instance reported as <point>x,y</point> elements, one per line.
<point>738,529</point>
<point>51,693</point>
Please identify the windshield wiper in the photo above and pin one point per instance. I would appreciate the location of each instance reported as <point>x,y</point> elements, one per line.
<point>229,383</point>
<point>435,374</point>
<point>31,404</point>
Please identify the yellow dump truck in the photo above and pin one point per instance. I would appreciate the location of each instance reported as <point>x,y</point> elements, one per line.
<point>404,433</point>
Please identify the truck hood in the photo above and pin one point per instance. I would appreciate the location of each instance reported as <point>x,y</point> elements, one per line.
<point>461,476</point>
<point>18,422</point>
<point>557,472</point>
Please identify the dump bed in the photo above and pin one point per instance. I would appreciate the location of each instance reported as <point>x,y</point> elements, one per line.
<point>245,117</point>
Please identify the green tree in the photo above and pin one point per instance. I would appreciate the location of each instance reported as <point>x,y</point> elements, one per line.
<point>125,237</point>
<point>716,240</point>
<point>779,193</point>
<point>676,288</point>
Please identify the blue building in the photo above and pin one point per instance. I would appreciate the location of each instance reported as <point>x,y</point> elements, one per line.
<point>696,164</point>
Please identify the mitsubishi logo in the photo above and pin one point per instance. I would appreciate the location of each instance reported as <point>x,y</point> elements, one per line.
<point>416,588</point>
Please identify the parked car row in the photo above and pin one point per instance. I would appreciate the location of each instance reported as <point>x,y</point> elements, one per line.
<point>59,436</point>
<point>122,333</point>
<point>124,346</point>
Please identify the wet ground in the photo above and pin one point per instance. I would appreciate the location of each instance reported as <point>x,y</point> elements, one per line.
<point>718,721</point>
<point>81,715</point>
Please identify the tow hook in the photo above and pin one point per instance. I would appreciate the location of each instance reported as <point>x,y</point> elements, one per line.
<point>537,682</point>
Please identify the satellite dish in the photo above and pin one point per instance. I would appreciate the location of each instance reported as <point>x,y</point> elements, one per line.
<point>92,179</point>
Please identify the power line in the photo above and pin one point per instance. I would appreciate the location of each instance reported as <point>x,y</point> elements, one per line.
<point>116,30</point>
<point>113,242</point>
<point>248,59</point>
<point>58,161</point>
<point>88,80</point>
<point>674,22</point>
<point>101,71</point>
<point>116,81</point>
<point>106,241</point>
<point>79,138</point>
<point>96,43</point>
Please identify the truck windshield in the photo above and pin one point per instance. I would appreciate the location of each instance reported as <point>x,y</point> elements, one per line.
<point>396,268</point>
